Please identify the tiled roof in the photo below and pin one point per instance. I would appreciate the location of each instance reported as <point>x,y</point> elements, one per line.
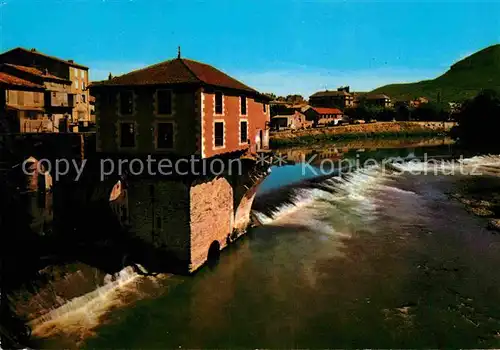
<point>35,52</point>
<point>296,114</point>
<point>13,81</point>
<point>35,71</point>
<point>177,71</point>
<point>330,93</point>
<point>376,97</point>
<point>321,110</point>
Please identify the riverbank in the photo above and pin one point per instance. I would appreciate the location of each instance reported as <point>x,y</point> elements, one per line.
<point>306,137</point>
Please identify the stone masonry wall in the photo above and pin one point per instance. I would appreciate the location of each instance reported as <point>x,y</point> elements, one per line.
<point>211,206</point>
<point>242,215</point>
<point>161,219</point>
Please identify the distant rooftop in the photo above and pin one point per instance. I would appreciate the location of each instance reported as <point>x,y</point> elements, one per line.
<point>36,72</point>
<point>13,81</point>
<point>321,110</point>
<point>328,93</point>
<point>36,52</point>
<point>287,115</point>
<point>376,97</point>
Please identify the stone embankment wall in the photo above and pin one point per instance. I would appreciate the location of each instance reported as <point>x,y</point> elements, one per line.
<point>366,129</point>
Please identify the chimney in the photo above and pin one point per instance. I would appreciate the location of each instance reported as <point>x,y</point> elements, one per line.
<point>33,50</point>
<point>46,71</point>
<point>71,61</point>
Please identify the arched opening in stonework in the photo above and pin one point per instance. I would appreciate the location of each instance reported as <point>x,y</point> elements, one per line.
<point>213,253</point>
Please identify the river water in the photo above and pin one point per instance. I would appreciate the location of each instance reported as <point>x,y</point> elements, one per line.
<point>375,257</point>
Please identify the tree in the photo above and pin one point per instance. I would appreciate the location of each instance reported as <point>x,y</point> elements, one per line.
<point>295,99</point>
<point>479,121</point>
<point>270,95</point>
<point>430,112</point>
<point>386,114</point>
<point>402,111</point>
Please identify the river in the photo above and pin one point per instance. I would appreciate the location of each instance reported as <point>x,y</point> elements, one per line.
<point>371,257</point>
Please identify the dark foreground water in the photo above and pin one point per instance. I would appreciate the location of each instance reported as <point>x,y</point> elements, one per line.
<point>371,259</point>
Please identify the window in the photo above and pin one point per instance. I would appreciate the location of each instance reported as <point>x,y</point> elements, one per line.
<point>127,135</point>
<point>76,84</point>
<point>165,135</point>
<point>243,105</point>
<point>164,101</point>
<point>36,97</point>
<point>82,74</point>
<point>264,108</point>
<point>84,98</point>
<point>83,85</point>
<point>219,134</point>
<point>218,103</point>
<point>243,132</point>
<point>126,102</point>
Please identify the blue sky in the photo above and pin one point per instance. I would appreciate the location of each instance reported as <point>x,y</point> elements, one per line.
<point>275,46</point>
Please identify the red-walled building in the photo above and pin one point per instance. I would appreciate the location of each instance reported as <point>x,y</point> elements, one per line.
<point>181,107</point>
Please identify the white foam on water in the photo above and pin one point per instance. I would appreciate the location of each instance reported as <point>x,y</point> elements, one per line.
<point>397,189</point>
<point>353,186</point>
<point>300,199</point>
<point>488,164</point>
<point>482,160</point>
<point>80,315</point>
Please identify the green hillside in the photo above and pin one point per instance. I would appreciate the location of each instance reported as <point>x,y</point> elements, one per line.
<point>463,80</point>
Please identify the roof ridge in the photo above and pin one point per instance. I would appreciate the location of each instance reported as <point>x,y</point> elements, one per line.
<point>34,71</point>
<point>189,69</point>
<point>48,56</point>
<point>141,69</point>
<point>18,65</point>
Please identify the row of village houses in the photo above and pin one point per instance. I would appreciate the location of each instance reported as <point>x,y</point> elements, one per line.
<point>327,108</point>
<point>324,108</point>
<point>42,93</point>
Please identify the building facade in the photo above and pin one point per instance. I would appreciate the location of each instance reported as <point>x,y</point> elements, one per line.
<point>21,105</point>
<point>341,98</point>
<point>379,100</point>
<point>181,107</point>
<point>293,121</point>
<point>324,116</point>
<point>66,97</point>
